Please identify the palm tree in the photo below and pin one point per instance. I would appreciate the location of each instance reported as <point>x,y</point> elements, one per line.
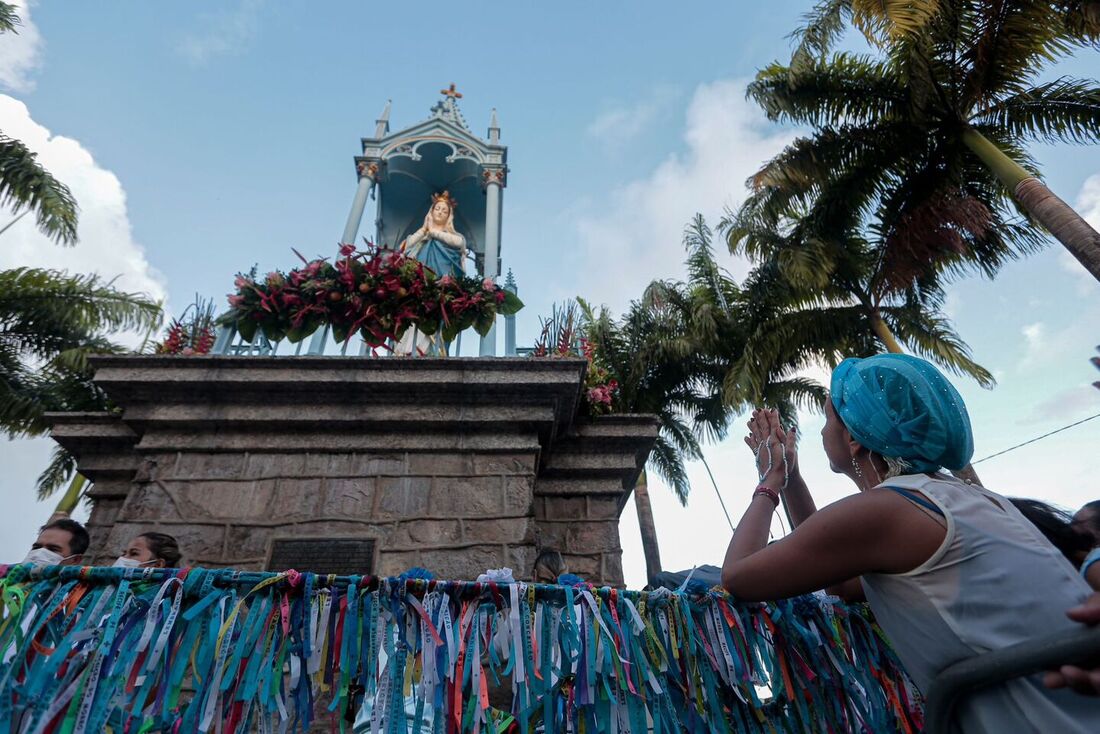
<point>24,183</point>
<point>809,302</point>
<point>654,376</point>
<point>50,322</point>
<point>944,114</point>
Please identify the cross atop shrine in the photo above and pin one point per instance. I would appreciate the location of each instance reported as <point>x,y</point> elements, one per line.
<point>451,92</point>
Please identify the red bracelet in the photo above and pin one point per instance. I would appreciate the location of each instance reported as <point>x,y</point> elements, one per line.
<point>767,492</point>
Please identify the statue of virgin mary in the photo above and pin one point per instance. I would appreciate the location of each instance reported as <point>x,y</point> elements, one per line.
<point>437,244</point>
<point>443,251</point>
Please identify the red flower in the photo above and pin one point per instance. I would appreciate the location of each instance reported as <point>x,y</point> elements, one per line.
<point>347,250</point>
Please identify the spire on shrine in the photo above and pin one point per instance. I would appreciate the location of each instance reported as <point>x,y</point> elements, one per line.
<point>383,122</point>
<point>447,108</point>
<point>494,128</point>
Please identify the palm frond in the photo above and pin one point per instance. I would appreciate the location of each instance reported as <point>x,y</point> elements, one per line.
<point>844,88</point>
<point>883,20</point>
<point>58,472</point>
<point>9,18</point>
<point>668,462</point>
<point>40,309</point>
<point>820,30</point>
<point>931,336</point>
<point>1062,111</point>
<point>25,183</point>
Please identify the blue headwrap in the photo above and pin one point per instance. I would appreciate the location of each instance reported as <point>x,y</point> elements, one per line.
<point>902,407</point>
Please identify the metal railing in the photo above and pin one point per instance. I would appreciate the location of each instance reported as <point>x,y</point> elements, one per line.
<point>955,682</point>
<point>322,343</point>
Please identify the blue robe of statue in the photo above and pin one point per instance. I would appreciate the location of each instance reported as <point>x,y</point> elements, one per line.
<point>440,258</point>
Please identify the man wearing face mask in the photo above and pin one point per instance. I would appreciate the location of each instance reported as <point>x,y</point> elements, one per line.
<point>59,543</point>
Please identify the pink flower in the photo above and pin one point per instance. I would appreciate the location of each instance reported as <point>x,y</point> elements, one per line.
<point>600,394</point>
<point>500,296</point>
<point>236,301</point>
<point>187,351</point>
<point>241,282</point>
<point>347,250</point>
<point>488,284</point>
<point>447,280</point>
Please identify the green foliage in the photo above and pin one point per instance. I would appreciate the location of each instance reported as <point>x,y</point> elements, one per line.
<point>885,162</point>
<point>25,183</point>
<point>642,365</point>
<point>9,19</point>
<point>50,322</point>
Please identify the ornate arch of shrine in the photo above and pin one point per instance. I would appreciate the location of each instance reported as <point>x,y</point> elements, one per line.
<point>402,169</point>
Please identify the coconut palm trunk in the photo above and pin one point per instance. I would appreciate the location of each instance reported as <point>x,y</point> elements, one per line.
<point>1067,226</point>
<point>647,528</point>
<point>71,497</point>
<point>882,331</point>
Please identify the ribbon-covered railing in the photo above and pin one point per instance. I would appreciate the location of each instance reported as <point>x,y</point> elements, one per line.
<point>131,650</point>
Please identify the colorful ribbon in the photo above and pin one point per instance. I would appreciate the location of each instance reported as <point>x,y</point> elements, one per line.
<point>201,650</point>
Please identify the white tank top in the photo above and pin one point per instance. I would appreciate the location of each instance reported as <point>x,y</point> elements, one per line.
<point>995,581</point>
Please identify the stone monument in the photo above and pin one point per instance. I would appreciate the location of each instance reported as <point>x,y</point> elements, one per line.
<point>343,464</point>
<point>456,465</point>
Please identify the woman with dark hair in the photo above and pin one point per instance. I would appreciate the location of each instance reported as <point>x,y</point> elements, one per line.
<point>1057,526</point>
<point>1087,520</point>
<point>151,550</point>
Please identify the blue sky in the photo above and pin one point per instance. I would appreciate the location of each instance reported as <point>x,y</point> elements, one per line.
<point>201,138</point>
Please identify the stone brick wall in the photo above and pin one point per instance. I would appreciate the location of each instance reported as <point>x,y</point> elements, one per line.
<point>453,465</point>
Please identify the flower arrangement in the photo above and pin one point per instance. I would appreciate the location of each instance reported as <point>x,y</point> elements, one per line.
<point>561,337</point>
<point>192,333</point>
<point>377,293</point>
<point>600,388</point>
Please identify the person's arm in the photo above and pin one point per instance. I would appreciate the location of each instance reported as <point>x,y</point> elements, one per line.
<point>1092,576</point>
<point>871,531</point>
<point>836,544</point>
<point>796,497</point>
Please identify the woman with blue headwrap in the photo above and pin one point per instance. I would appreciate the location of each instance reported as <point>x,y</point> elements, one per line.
<point>951,570</point>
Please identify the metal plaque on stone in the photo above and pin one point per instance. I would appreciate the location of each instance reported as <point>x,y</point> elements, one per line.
<point>342,556</point>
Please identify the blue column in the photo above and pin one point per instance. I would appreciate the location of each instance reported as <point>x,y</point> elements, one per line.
<point>492,248</point>
<point>510,320</point>
<point>355,216</point>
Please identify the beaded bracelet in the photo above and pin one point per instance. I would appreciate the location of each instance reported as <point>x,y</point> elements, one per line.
<point>767,492</point>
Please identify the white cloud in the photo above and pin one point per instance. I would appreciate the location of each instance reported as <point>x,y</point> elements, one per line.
<point>20,52</point>
<point>638,234</point>
<point>106,243</point>
<point>1088,200</point>
<point>1035,340</point>
<point>621,123</point>
<point>106,246</point>
<point>224,33</point>
<point>1088,206</point>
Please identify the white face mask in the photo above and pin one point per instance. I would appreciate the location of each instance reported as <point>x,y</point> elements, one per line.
<point>44,557</point>
<point>124,562</point>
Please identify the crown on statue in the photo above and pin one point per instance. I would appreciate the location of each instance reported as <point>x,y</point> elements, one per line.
<point>444,196</point>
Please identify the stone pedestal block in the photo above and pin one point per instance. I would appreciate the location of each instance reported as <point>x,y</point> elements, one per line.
<point>456,465</point>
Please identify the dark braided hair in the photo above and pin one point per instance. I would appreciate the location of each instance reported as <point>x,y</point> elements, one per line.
<point>163,547</point>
